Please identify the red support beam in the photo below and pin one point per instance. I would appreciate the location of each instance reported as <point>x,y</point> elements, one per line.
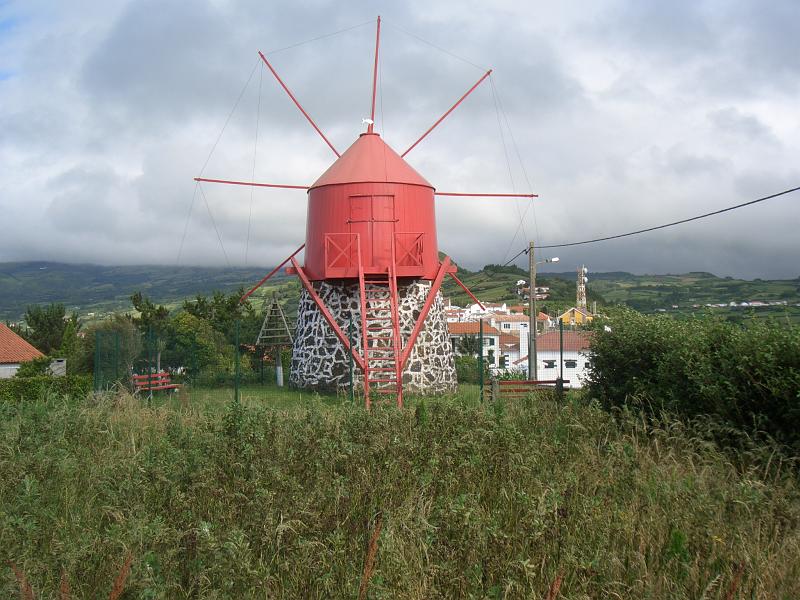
<point>466,289</point>
<point>375,76</point>
<point>460,194</point>
<point>271,273</point>
<point>326,313</point>
<point>437,283</point>
<point>444,116</point>
<point>253,183</point>
<point>302,110</point>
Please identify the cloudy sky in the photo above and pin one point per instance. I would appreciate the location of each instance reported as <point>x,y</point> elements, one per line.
<point>620,114</point>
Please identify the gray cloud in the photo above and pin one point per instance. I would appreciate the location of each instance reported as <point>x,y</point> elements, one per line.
<point>625,114</point>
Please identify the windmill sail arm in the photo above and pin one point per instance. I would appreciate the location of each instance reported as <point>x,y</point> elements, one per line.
<point>486,195</point>
<point>297,104</point>
<point>444,116</point>
<point>252,183</point>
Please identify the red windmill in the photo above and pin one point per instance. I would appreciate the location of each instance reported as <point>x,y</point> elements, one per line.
<point>371,259</point>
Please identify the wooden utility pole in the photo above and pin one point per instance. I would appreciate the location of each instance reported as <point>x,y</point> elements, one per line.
<point>532,362</point>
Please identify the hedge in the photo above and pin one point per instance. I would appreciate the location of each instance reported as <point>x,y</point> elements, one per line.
<point>745,376</point>
<point>18,389</point>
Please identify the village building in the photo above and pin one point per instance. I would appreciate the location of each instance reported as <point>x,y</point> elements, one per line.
<point>491,340</point>
<point>548,354</point>
<point>13,352</point>
<point>576,316</point>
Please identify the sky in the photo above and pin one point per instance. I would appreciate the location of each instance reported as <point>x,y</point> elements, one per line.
<point>620,114</point>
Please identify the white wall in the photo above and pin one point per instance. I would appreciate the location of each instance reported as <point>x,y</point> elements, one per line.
<point>8,370</point>
<point>576,376</point>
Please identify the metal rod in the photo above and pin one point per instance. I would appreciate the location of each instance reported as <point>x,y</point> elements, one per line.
<point>237,366</point>
<point>302,110</point>
<point>460,194</point>
<point>466,289</point>
<point>350,337</point>
<point>271,273</point>
<point>375,76</point>
<point>444,116</point>
<point>253,183</point>
<point>325,312</point>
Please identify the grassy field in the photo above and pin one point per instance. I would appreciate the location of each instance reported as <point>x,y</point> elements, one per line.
<point>281,496</point>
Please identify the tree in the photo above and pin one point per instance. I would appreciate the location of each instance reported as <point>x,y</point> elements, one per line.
<point>122,346</point>
<point>153,320</point>
<point>198,346</point>
<point>469,345</point>
<point>46,325</point>
<point>222,311</point>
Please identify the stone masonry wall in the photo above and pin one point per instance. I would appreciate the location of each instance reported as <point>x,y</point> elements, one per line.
<point>320,361</point>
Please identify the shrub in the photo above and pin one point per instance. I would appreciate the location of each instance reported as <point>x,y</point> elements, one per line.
<point>22,389</point>
<point>745,376</point>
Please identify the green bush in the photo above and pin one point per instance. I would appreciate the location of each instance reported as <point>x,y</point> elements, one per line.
<point>467,369</point>
<point>746,377</point>
<point>22,389</point>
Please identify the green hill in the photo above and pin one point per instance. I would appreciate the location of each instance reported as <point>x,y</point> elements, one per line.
<point>93,290</point>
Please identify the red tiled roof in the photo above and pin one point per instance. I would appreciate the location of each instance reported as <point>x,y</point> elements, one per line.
<point>13,349</point>
<point>573,341</point>
<point>471,328</point>
<point>509,339</point>
<point>511,318</point>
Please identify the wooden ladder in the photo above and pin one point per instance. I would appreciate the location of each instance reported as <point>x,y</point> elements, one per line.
<point>380,332</point>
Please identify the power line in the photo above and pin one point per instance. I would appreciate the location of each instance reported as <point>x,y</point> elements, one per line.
<point>621,235</point>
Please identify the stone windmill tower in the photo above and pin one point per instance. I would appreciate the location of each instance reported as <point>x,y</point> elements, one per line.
<point>371,273</point>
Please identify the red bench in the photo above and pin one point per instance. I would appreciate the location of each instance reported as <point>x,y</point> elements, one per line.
<point>154,382</point>
<point>515,388</point>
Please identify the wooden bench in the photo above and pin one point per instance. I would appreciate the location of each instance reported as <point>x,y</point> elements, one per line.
<point>154,382</point>
<point>516,388</point>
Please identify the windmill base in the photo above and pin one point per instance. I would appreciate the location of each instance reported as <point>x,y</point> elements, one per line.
<point>320,361</point>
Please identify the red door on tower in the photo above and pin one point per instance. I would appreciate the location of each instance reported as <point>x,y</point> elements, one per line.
<point>372,217</point>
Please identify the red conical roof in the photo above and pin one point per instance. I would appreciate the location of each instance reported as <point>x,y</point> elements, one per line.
<point>370,160</point>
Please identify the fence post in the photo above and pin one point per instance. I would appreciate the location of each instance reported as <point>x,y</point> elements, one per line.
<point>97,337</point>
<point>495,389</point>
<point>350,337</point>
<point>480,356</point>
<point>278,367</point>
<point>117,369</point>
<point>560,385</point>
<point>236,365</point>
<point>149,351</point>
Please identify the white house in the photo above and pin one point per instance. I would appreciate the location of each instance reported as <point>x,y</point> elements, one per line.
<point>491,339</point>
<point>548,355</point>
<point>13,352</point>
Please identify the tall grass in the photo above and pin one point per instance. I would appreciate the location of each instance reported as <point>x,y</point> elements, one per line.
<point>484,501</point>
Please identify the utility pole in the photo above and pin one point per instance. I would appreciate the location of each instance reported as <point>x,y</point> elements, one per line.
<point>533,371</point>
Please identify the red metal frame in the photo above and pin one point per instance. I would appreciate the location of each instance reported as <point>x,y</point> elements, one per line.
<point>466,289</point>
<point>364,341</point>
<point>375,76</point>
<point>325,312</point>
<point>332,270</point>
<point>398,341</point>
<point>271,273</point>
<point>444,116</point>
<point>437,283</point>
<point>253,183</point>
<point>302,110</point>
<point>413,250</point>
